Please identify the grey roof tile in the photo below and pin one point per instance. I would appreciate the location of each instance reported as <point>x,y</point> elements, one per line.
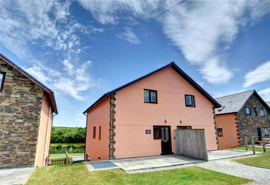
<point>233,102</point>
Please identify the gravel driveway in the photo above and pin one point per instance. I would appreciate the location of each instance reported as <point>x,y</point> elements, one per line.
<point>260,175</point>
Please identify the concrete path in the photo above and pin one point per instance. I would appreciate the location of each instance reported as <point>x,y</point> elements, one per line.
<point>16,176</point>
<point>226,154</point>
<point>143,164</point>
<point>228,166</point>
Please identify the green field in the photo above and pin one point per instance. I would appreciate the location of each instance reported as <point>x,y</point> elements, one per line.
<point>79,174</point>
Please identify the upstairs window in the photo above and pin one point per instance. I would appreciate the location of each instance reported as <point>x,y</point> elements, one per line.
<point>2,79</point>
<point>266,131</point>
<point>150,96</point>
<point>190,102</point>
<point>247,110</point>
<point>220,132</point>
<point>263,112</point>
<point>94,132</point>
<point>255,112</point>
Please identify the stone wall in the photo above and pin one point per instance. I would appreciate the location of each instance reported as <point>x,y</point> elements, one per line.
<point>112,127</point>
<point>20,106</point>
<point>248,123</point>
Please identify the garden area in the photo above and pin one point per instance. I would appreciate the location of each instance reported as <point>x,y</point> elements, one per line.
<point>79,174</point>
<point>67,139</point>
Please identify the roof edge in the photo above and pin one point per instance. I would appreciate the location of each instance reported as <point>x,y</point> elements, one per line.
<point>174,67</point>
<point>34,80</point>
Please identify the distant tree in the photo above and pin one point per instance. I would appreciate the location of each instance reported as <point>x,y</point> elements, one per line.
<point>68,135</point>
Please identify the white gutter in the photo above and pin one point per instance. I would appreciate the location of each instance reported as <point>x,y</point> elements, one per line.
<point>46,139</point>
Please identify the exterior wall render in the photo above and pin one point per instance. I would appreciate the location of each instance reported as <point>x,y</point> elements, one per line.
<point>228,123</point>
<point>98,116</point>
<point>134,116</point>
<point>46,120</point>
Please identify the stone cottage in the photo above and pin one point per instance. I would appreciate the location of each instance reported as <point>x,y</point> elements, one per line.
<point>242,114</point>
<point>27,108</point>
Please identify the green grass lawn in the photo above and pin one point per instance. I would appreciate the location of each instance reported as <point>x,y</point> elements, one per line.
<point>262,160</point>
<point>79,174</point>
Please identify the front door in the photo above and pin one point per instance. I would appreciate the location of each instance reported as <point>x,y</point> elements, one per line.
<point>166,146</point>
<point>259,133</point>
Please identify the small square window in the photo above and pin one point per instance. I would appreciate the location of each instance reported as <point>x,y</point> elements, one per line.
<point>190,102</point>
<point>247,110</point>
<point>150,96</point>
<point>220,132</point>
<point>94,132</point>
<point>2,79</point>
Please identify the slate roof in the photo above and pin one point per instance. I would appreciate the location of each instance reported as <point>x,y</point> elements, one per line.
<point>235,102</point>
<point>49,92</point>
<point>174,67</point>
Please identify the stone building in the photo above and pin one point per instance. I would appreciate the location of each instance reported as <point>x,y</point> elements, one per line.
<point>242,115</point>
<point>26,116</point>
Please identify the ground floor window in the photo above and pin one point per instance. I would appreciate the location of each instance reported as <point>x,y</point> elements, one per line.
<point>220,132</point>
<point>157,132</point>
<point>266,131</point>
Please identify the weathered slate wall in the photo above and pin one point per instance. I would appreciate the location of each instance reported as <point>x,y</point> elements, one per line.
<point>248,123</point>
<point>191,143</point>
<point>20,106</point>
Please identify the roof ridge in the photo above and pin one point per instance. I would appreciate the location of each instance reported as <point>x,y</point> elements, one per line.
<point>235,93</point>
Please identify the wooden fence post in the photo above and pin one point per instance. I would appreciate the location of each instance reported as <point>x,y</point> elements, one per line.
<point>264,150</point>
<point>231,142</point>
<point>253,147</point>
<point>246,143</point>
<point>67,158</point>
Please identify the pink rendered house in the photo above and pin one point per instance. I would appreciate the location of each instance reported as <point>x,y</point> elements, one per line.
<point>138,118</point>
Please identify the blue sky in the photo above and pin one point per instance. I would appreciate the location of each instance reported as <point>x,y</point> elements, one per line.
<point>82,49</point>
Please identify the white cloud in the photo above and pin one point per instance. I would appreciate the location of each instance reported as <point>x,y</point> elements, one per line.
<point>129,36</point>
<point>72,83</point>
<point>202,30</point>
<point>265,94</point>
<point>260,74</point>
<point>47,28</point>
<point>107,11</point>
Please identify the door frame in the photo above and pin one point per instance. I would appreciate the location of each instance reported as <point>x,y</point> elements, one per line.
<point>170,138</point>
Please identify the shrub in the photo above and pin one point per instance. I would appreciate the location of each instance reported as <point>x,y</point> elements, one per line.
<point>59,146</point>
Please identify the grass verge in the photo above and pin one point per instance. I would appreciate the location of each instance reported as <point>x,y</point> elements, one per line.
<point>262,160</point>
<point>79,174</point>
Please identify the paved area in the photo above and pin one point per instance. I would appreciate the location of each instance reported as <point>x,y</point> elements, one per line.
<point>100,165</point>
<point>139,164</point>
<point>161,162</point>
<point>228,166</point>
<point>16,176</point>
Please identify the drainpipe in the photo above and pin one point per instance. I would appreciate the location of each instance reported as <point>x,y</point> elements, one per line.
<point>46,139</point>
